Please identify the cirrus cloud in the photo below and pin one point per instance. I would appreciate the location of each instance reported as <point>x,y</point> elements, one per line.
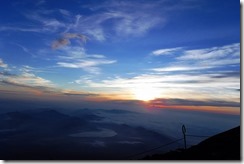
<point>89,65</point>
<point>200,59</point>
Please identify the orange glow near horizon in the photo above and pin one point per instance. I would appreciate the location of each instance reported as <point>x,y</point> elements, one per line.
<point>145,101</point>
<point>212,109</point>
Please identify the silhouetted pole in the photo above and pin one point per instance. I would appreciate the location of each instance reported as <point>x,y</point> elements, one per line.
<point>184,134</point>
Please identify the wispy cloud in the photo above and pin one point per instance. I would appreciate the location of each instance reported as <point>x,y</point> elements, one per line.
<point>29,69</point>
<point>133,18</point>
<point>215,56</point>
<point>228,51</point>
<point>200,59</point>
<point>180,68</point>
<point>25,49</point>
<point>166,51</point>
<point>64,12</point>
<point>39,20</point>
<point>22,29</point>
<point>76,57</point>
<point>135,24</point>
<point>47,23</point>
<point>125,18</point>
<point>40,2</point>
<point>128,19</point>
<point>2,64</point>
<point>108,19</point>
<point>89,65</point>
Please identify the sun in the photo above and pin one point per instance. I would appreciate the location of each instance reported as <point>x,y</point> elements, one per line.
<point>146,93</point>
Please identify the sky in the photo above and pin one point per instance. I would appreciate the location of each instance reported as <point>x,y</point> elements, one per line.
<point>160,54</point>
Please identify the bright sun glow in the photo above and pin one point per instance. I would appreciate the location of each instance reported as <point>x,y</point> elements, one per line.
<point>146,93</point>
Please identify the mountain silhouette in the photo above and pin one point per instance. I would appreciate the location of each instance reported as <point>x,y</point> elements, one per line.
<point>53,135</point>
<point>223,146</point>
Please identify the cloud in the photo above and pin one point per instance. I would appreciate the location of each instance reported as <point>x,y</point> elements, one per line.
<point>76,57</point>
<point>78,93</point>
<point>41,20</point>
<point>74,35</point>
<point>27,83</point>
<point>165,51</point>
<point>106,20</point>
<point>190,77</point>
<point>226,74</point>
<point>181,86</point>
<point>200,59</point>
<point>23,79</point>
<point>213,57</point>
<point>86,63</point>
<point>97,33</point>
<point>34,70</point>
<point>26,50</point>
<point>89,65</point>
<point>97,56</point>
<point>187,102</point>
<point>133,18</point>
<point>27,80</point>
<point>43,26</point>
<point>65,40</point>
<point>72,53</point>
<point>180,68</point>
<point>135,24</point>
<point>228,51</point>
<point>121,19</point>
<point>44,20</point>
<point>60,43</point>
<point>22,29</point>
<point>40,2</point>
<point>2,64</point>
<point>64,12</point>
<point>52,23</point>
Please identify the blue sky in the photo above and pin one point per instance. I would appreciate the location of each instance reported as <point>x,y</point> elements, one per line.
<point>168,52</point>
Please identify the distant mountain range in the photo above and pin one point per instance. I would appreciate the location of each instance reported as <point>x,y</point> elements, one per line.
<point>52,135</point>
<point>49,134</point>
<point>223,146</point>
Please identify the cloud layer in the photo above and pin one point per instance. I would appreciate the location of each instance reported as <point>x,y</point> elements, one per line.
<point>185,77</point>
<point>2,64</point>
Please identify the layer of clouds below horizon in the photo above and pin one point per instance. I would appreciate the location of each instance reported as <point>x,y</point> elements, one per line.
<point>166,122</point>
<point>169,121</point>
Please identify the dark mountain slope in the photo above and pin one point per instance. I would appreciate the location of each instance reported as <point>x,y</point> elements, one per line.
<point>223,146</point>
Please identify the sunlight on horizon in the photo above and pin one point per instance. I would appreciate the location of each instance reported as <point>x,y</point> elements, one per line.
<point>146,93</point>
